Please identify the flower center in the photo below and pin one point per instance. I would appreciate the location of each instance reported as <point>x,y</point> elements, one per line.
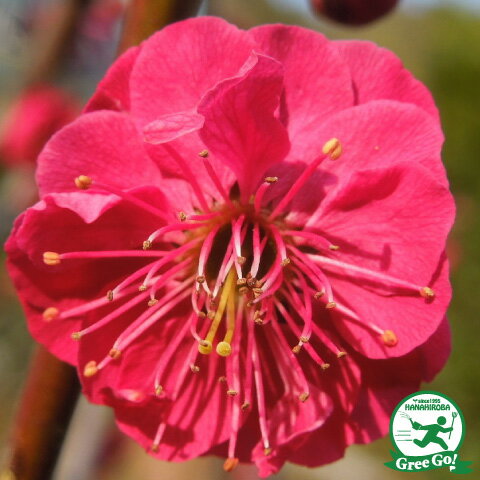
<point>243,267</point>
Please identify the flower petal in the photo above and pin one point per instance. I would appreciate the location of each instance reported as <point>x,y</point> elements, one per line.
<point>378,73</point>
<point>240,127</point>
<point>171,126</point>
<point>393,221</point>
<point>317,80</point>
<point>74,282</point>
<point>180,63</point>
<point>103,145</point>
<point>113,92</point>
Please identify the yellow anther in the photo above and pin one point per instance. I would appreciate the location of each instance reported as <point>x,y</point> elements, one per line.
<point>296,349</point>
<point>194,368</point>
<point>333,148</point>
<point>76,336</point>
<point>205,347</point>
<point>142,288</point>
<point>389,338</point>
<point>211,314</point>
<point>318,295</point>
<point>224,349</point>
<point>304,339</point>
<point>285,262</point>
<point>330,305</point>
<point>304,396</point>
<point>110,295</point>
<point>324,366</point>
<point>267,451</point>
<point>201,315</point>
<point>230,464</point>
<point>200,279</point>
<point>152,302</point>
<point>182,216</point>
<point>232,393</point>
<point>245,405</point>
<point>271,179</point>
<point>427,292</point>
<point>203,154</point>
<point>155,447</point>
<point>90,369</point>
<point>158,390</point>
<point>115,353</point>
<point>241,260</point>
<point>147,245</point>
<point>222,379</point>
<point>83,182</point>
<point>51,258</point>
<point>257,291</point>
<point>243,290</point>
<point>341,354</point>
<point>334,247</point>
<point>50,313</point>
<point>241,281</point>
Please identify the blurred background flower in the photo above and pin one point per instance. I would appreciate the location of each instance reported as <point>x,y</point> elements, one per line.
<point>440,43</point>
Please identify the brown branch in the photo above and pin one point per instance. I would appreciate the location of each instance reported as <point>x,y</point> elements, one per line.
<point>52,42</point>
<point>42,419</point>
<point>144,17</point>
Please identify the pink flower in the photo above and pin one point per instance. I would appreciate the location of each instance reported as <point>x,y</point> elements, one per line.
<point>38,113</point>
<point>292,207</point>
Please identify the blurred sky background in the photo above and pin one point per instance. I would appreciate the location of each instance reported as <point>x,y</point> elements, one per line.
<point>439,41</point>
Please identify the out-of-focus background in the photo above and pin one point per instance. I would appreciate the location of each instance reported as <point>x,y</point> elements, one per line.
<point>439,41</point>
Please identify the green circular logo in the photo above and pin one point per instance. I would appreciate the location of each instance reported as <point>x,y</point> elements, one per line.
<point>427,423</point>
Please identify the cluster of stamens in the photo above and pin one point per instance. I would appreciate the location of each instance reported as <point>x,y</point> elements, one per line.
<point>243,267</point>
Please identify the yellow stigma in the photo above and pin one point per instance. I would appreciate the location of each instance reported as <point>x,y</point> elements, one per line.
<point>333,148</point>
<point>227,296</point>
<point>90,369</point>
<point>389,338</point>
<point>205,347</point>
<point>224,349</point>
<point>427,292</point>
<point>51,258</point>
<point>83,182</point>
<point>50,313</point>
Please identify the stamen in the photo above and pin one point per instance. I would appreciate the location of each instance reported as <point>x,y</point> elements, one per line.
<point>83,182</point>
<point>393,281</point>
<point>188,175</point>
<point>262,411</point>
<point>333,149</point>
<point>51,258</point>
<point>261,192</point>
<point>214,177</point>
<point>50,313</point>
<point>203,257</point>
<point>90,369</point>
<point>389,338</point>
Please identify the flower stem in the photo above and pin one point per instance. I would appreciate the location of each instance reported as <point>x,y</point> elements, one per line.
<point>47,403</point>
